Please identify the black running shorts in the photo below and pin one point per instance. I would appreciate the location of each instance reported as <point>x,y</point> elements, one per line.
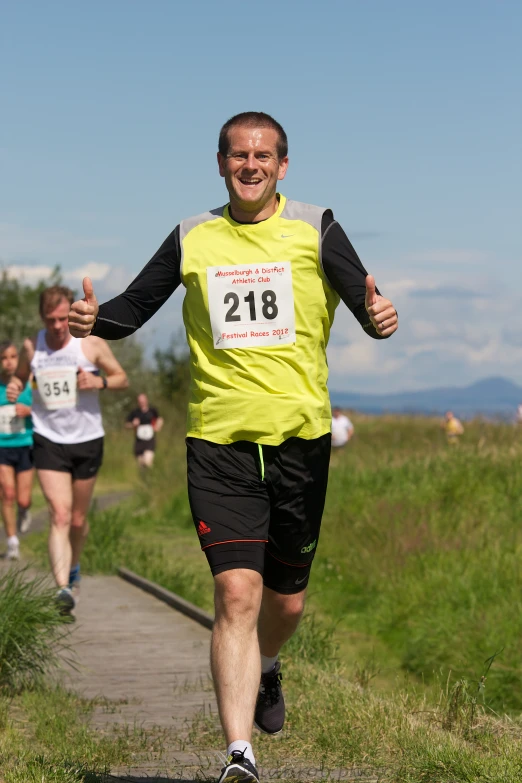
<point>81,460</point>
<point>18,457</point>
<point>259,507</point>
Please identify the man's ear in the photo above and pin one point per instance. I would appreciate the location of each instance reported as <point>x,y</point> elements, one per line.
<point>221,164</point>
<point>283,168</point>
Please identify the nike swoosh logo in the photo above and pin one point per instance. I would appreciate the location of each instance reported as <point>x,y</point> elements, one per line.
<point>285,236</point>
<point>298,581</point>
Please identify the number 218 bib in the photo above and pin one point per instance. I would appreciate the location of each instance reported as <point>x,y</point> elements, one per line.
<point>251,305</point>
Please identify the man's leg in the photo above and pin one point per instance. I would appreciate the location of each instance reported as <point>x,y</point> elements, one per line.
<point>82,494</point>
<point>147,459</point>
<point>278,619</point>
<point>57,489</point>
<point>234,655</point>
<point>8,489</point>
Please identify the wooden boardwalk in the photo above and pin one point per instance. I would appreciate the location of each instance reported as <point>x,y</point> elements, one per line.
<point>147,666</point>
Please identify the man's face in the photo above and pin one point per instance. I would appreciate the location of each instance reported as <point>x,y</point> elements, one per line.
<point>9,361</point>
<point>56,321</point>
<point>252,167</point>
<point>143,402</point>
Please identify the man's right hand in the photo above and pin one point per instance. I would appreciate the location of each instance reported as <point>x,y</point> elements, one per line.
<point>83,314</point>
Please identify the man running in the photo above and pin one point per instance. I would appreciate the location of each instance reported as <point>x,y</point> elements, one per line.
<point>342,428</point>
<point>263,276</point>
<point>146,422</point>
<point>16,460</point>
<point>68,429</point>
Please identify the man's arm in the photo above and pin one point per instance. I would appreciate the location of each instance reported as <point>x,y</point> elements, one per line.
<point>123,315</point>
<point>346,274</point>
<point>99,353</point>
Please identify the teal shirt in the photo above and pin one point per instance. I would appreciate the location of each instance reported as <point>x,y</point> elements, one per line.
<point>25,438</point>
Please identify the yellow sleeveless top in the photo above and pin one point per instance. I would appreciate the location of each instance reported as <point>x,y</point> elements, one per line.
<point>257,311</point>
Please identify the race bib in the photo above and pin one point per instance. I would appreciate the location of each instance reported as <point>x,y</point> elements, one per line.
<point>251,305</point>
<point>10,423</point>
<point>145,432</point>
<point>57,387</point>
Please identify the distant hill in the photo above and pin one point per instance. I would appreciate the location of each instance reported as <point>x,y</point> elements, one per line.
<point>492,397</point>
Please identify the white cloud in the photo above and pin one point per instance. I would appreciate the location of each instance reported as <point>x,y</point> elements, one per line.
<point>30,274</point>
<point>92,269</point>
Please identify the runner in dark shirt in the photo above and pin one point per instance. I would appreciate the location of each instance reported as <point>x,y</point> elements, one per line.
<point>146,422</point>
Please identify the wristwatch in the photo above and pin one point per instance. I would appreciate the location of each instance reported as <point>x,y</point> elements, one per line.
<point>104,381</point>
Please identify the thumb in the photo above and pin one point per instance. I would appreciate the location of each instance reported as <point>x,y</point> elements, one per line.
<point>371,294</point>
<point>88,290</point>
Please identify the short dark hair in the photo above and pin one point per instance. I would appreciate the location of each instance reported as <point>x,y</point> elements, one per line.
<point>253,119</point>
<point>51,298</point>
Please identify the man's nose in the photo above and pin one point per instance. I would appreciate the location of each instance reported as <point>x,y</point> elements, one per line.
<point>251,161</point>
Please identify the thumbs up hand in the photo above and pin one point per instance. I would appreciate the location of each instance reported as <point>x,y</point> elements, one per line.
<point>84,312</point>
<point>382,313</point>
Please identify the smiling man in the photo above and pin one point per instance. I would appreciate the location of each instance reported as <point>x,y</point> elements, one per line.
<point>263,276</point>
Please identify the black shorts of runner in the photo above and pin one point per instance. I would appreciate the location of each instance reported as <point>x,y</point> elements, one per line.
<point>18,457</point>
<point>141,446</point>
<point>81,460</point>
<point>259,507</point>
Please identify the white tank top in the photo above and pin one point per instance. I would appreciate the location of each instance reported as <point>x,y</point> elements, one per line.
<point>62,412</point>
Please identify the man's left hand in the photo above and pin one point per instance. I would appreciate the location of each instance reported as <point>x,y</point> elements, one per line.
<point>383,314</point>
<point>88,380</point>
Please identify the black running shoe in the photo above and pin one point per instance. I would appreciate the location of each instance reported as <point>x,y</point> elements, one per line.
<point>238,768</point>
<point>65,601</point>
<point>270,707</point>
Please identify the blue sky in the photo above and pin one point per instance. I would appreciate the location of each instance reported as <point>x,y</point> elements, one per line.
<point>404,117</point>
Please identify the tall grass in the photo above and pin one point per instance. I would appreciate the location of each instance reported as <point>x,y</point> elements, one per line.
<point>32,632</point>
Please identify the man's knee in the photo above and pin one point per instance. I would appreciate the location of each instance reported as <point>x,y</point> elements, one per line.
<point>288,608</point>
<point>78,520</point>
<point>61,517</point>
<point>238,594</point>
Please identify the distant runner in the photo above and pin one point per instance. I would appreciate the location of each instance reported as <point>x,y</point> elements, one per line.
<point>342,428</point>
<point>146,422</point>
<point>452,427</point>
<point>263,276</point>
<point>68,429</point>
<point>16,459</point>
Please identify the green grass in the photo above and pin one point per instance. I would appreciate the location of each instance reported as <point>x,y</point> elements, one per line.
<point>45,737</point>
<point>415,586</point>
<point>33,636</point>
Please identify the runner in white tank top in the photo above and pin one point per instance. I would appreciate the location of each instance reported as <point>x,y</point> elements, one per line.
<point>68,429</point>
<point>62,412</point>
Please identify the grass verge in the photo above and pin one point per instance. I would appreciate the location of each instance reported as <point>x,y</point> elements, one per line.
<point>33,636</point>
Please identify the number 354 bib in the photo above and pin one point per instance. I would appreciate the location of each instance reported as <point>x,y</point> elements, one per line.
<point>251,305</point>
<point>57,387</point>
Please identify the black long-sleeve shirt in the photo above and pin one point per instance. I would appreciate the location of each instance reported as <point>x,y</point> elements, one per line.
<point>123,315</point>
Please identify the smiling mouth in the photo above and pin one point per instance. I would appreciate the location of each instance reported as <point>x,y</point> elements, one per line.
<point>249,182</point>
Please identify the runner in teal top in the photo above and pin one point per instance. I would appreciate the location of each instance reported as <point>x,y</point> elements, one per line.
<point>16,463</point>
<point>23,427</point>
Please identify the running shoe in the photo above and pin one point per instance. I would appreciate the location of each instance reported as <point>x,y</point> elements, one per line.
<point>270,707</point>
<point>65,600</point>
<point>238,768</point>
<point>23,520</point>
<point>13,550</point>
